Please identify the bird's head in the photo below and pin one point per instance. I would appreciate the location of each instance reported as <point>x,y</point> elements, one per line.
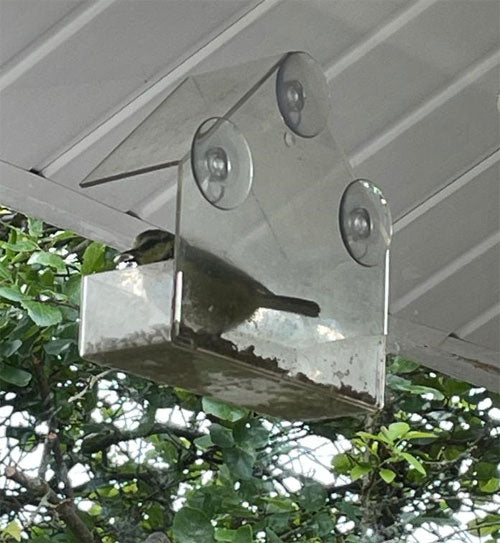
<point>154,245</point>
<point>153,236</point>
<point>150,246</point>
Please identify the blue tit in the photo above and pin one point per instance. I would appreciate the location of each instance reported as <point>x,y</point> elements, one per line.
<point>219,296</point>
<point>150,246</point>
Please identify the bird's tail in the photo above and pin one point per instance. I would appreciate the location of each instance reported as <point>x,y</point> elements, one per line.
<point>299,306</point>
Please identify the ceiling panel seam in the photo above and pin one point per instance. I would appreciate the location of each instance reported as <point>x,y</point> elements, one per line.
<point>452,89</point>
<point>445,272</point>
<point>378,142</point>
<point>480,320</point>
<point>50,40</point>
<point>363,47</point>
<point>162,196</point>
<point>169,80</point>
<point>375,38</point>
<point>435,349</point>
<point>475,356</point>
<point>449,189</point>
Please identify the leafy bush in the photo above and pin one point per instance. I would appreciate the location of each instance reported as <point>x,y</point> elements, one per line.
<point>94,455</point>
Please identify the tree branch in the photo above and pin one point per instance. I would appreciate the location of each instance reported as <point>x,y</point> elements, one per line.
<point>97,442</point>
<point>65,507</point>
<point>10,503</point>
<point>52,440</point>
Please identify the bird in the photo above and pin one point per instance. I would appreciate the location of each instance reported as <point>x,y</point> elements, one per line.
<point>150,246</point>
<point>218,295</point>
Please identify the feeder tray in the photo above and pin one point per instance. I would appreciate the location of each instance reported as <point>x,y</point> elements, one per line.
<point>266,210</point>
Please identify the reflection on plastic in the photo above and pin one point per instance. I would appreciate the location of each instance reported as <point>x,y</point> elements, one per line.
<point>302,95</point>
<point>365,223</point>
<point>222,163</point>
<point>282,237</point>
<point>218,296</point>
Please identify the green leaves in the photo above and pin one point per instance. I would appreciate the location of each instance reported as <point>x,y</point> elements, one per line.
<point>244,534</point>
<point>394,439</point>
<point>322,524</point>
<point>403,365</point>
<point>489,525</point>
<point>193,526</point>
<point>272,536</point>
<point>279,504</point>
<point>238,440</point>
<point>48,259</point>
<point>420,435</point>
<point>221,436</point>
<point>360,470</point>
<point>251,434</point>
<point>229,478</point>
<point>12,531</point>
<point>8,348</point>
<point>342,463</point>
<point>204,442</point>
<point>485,470</point>
<point>224,535</point>
<point>40,313</point>
<point>396,430</point>
<point>387,475</point>
<point>29,275</point>
<point>223,410</point>
<point>93,258</point>
<point>43,314</point>
<point>58,346</point>
<point>414,463</point>
<point>490,486</point>
<point>399,383</point>
<point>35,227</point>
<point>71,289</point>
<point>11,293</point>
<point>5,273</point>
<point>239,462</point>
<point>14,376</point>
<point>22,246</point>
<point>312,496</point>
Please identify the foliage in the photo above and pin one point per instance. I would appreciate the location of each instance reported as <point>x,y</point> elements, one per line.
<point>94,455</point>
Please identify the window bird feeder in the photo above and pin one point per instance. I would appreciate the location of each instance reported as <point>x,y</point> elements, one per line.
<point>277,296</point>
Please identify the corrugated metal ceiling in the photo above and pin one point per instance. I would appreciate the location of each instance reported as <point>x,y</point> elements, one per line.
<point>414,88</point>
